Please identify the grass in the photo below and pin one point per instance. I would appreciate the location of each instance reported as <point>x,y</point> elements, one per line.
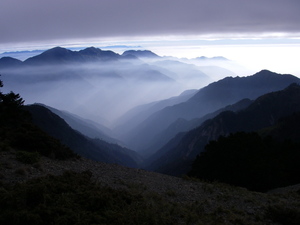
<point>74,198</point>
<point>28,157</point>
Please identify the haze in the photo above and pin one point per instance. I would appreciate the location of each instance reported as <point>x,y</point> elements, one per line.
<point>254,34</point>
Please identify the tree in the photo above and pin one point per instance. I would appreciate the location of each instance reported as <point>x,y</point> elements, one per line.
<point>10,107</point>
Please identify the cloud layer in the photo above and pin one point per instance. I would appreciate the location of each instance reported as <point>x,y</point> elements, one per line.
<point>35,20</point>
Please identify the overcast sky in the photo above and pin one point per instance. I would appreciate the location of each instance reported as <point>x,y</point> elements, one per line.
<point>42,20</point>
<point>187,26</point>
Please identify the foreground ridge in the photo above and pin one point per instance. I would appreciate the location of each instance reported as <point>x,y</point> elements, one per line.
<point>211,203</point>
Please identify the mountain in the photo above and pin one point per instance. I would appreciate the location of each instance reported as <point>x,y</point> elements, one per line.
<point>259,161</point>
<point>264,112</point>
<point>8,62</point>
<point>216,95</point>
<point>43,182</point>
<point>62,191</point>
<point>19,133</point>
<point>140,54</point>
<point>182,125</point>
<point>138,114</point>
<point>84,126</point>
<point>100,85</point>
<point>144,72</point>
<point>95,149</point>
<point>60,55</point>
<point>250,161</point>
<point>92,53</point>
<point>287,128</point>
<point>183,71</point>
<point>212,58</point>
<point>55,55</point>
<point>21,55</point>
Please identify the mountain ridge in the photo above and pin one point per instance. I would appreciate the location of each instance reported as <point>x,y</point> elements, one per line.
<point>95,149</point>
<point>208,99</point>
<point>263,112</point>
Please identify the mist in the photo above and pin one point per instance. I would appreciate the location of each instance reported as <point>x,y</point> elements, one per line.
<point>137,99</point>
<point>103,91</point>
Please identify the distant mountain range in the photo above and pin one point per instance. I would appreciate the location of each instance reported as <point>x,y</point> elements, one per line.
<point>126,80</point>
<point>140,54</point>
<point>266,111</point>
<point>133,93</point>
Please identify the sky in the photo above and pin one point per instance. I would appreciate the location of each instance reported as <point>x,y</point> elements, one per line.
<point>258,33</point>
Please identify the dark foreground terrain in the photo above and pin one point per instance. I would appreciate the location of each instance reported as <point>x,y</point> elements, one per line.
<point>81,191</point>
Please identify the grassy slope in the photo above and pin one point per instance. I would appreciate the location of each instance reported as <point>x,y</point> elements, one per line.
<point>87,192</point>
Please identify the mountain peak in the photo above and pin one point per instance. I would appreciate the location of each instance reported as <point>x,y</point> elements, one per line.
<point>90,51</point>
<point>212,58</point>
<point>57,50</point>
<point>59,55</point>
<point>140,53</point>
<point>264,72</point>
<point>96,54</point>
<point>53,55</point>
<point>9,62</point>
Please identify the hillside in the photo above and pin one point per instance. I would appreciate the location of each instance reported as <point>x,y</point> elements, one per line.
<point>264,112</point>
<point>248,160</point>
<point>84,126</point>
<point>95,192</point>
<point>43,182</point>
<point>208,99</point>
<point>95,149</point>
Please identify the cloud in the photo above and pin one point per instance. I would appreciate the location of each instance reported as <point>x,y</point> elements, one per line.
<point>35,20</point>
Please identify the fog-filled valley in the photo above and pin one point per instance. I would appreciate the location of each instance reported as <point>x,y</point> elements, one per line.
<point>142,110</point>
<point>149,112</point>
<point>103,85</point>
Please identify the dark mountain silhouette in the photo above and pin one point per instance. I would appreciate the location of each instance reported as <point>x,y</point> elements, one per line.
<point>248,160</point>
<point>92,53</point>
<point>84,126</point>
<point>60,187</point>
<point>18,132</point>
<point>55,55</point>
<point>182,125</point>
<point>8,62</point>
<point>207,100</point>
<point>264,112</point>
<point>95,149</point>
<point>259,161</point>
<point>102,81</point>
<point>72,64</point>
<point>140,53</point>
<point>60,55</point>
<point>21,55</point>
<point>135,116</point>
<point>287,128</point>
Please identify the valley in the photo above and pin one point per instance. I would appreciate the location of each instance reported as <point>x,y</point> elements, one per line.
<point>154,127</point>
